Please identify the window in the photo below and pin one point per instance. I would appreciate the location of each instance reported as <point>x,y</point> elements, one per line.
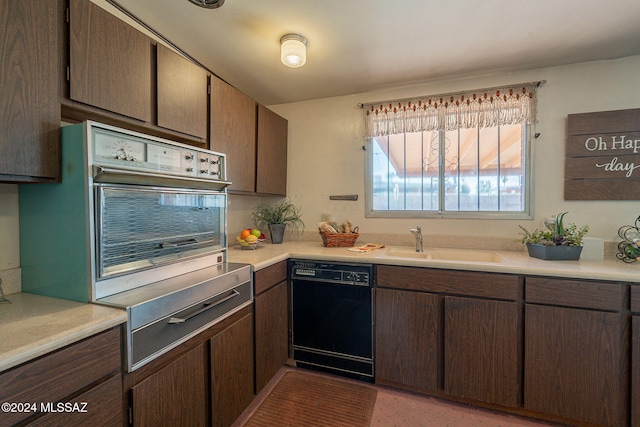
<point>427,157</point>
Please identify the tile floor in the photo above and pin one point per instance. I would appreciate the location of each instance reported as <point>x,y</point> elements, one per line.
<point>399,409</point>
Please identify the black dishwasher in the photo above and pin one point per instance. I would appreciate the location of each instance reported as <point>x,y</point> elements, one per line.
<point>332,317</point>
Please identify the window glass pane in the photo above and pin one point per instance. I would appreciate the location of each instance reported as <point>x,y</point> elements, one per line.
<point>512,172</point>
<point>483,171</point>
<point>380,174</point>
<point>462,177</point>
<point>431,170</point>
<point>414,158</point>
<point>397,165</point>
<point>488,168</point>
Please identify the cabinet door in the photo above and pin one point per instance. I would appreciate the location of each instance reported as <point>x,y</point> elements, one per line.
<point>272,153</point>
<point>272,333</point>
<point>182,94</point>
<point>575,364</point>
<point>233,132</point>
<point>175,395</point>
<point>103,408</point>
<point>30,51</point>
<point>407,339</point>
<point>635,369</point>
<point>481,340</point>
<point>231,372</point>
<point>110,62</point>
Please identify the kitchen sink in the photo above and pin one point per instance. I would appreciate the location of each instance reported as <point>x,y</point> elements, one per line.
<point>405,253</point>
<point>463,255</point>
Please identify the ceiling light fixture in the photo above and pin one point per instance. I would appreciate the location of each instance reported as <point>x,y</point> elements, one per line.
<point>208,4</point>
<point>293,50</point>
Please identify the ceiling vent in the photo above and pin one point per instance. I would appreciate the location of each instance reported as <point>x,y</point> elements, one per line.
<point>209,4</point>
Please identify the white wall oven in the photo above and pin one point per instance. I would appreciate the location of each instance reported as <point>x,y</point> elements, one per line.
<point>138,223</point>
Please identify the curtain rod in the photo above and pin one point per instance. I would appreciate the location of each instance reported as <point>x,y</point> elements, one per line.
<point>393,101</point>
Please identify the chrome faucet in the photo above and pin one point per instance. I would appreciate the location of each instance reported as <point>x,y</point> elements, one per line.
<point>418,233</point>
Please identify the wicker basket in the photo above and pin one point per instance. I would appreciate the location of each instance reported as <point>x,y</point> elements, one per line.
<point>339,240</point>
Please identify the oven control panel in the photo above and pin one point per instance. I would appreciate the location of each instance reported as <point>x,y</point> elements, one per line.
<point>112,146</point>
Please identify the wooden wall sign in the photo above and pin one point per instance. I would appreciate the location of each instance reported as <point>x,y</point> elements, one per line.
<point>603,156</point>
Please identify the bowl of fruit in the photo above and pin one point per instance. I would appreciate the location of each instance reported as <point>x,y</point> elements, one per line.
<point>250,238</point>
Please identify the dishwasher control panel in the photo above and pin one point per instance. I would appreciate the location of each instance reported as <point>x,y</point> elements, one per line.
<point>357,274</point>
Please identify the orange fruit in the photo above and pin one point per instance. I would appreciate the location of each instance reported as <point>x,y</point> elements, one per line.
<point>245,233</point>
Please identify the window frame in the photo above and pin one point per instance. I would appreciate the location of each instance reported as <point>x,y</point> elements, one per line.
<point>528,193</point>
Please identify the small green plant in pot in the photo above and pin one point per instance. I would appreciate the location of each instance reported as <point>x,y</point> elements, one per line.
<point>276,217</point>
<point>555,241</point>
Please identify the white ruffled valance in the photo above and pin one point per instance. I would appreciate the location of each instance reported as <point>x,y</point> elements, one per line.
<point>507,105</point>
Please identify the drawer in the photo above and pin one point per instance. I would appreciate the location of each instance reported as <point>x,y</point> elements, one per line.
<point>635,299</point>
<point>608,296</point>
<point>57,375</point>
<point>268,277</point>
<point>151,341</point>
<point>484,285</point>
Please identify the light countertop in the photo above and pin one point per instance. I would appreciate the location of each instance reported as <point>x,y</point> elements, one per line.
<point>33,325</point>
<point>515,262</point>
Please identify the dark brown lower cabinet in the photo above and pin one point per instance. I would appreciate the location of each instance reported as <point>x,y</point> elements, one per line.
<point>574,364</point>
<point>407,339</point>
<point>272,333</point>
<point>547,347</point>
<point>271,303</point>
<point>481,350</point>
<point>231,372</point>
<point>174,395</point>
<point>87,371</point>
<point>635,371</point>
<point>635,356</point>
<point>207,380</point>
<point>103,404</point>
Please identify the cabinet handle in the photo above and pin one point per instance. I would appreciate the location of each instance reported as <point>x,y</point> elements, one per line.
<point>207,306</point>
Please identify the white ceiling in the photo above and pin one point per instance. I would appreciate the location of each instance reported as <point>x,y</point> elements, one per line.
<point>357,46</point>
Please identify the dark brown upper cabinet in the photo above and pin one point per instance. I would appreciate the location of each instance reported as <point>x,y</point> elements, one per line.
<point>110,62</point>
<point>271,172</point>
<point>233,132</point>
<point>30,82</point>
<point>182,94</point>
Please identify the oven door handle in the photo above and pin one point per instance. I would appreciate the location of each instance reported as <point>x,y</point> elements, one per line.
<point>186,242</point>
<point>207,306</point>
<point>180,243</point>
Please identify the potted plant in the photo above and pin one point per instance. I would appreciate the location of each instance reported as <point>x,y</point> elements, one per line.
<point>276,217</point>
<point>556,241</point>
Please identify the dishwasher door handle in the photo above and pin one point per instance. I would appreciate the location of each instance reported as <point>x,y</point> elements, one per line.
<point>207,306</point>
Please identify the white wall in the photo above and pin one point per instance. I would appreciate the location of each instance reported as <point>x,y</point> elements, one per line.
<point>326,156</point>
